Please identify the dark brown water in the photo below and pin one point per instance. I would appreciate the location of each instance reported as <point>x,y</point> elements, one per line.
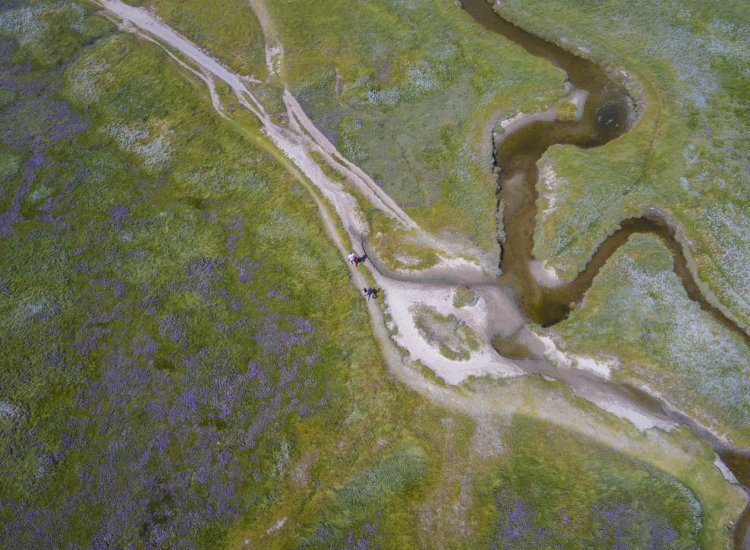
<point>607,115</point>
<point>739,463</point>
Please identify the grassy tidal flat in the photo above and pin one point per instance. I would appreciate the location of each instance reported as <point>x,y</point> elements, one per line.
<point>637,312</point>
<point>187,361</point>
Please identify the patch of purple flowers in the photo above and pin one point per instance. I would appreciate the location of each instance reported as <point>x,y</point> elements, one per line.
<point>516,526</point>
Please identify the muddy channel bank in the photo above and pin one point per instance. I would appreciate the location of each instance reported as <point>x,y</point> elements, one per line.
<point>608,113</point>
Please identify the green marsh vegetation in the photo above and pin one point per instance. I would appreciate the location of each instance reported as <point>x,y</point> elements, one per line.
<point>408,91</point>
<point>638,312</point>
<point>177,329</point>
<point>558,490</point>
<point>687,156</point>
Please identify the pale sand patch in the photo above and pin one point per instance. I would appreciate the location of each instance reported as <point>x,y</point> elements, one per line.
<point>594,388</point>
<point>600,367</point>
<point>553,353</point>
<point>276,526</point>
<point>545,275</point>
<point>510,121</point>
<point>578,98</point>
<point>402,297</point>
<point>640,419</point>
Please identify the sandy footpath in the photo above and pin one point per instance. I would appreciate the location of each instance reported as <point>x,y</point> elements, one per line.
<point>296,142</point>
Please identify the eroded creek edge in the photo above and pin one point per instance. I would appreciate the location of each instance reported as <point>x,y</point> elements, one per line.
<point>609,112</point>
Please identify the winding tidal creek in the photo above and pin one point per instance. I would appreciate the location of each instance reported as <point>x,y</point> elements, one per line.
<point>609,112</point>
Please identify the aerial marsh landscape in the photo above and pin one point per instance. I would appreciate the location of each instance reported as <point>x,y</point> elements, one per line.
<point>549,199</point>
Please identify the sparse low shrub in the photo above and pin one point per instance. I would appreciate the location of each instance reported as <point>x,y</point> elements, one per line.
<point>464,296</point>
<point>449,334</point>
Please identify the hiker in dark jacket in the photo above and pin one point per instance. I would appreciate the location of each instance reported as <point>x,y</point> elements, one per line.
<point>369,292</point>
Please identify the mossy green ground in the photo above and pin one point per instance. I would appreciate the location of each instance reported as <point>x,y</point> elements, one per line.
<point>465,297</point>
<point>545,500</point>
<point>688,156</point>
<point>184,360</point>
<point>638,312</point>
<point>408,92</point>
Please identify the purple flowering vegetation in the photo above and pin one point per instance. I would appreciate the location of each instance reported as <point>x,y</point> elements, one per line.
<point>167,408</point>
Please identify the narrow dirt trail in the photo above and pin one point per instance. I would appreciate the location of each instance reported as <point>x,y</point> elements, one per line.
<point>497,313</point>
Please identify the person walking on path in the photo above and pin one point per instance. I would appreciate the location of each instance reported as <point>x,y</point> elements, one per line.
<point>358,260</point>
<point>352,258</point>
<point>369,292</point>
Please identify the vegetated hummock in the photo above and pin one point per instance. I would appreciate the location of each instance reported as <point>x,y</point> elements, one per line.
<point>185,363</point>
<point>538,498</point>
<point>687,156</point>
<point>449,334</point>
<point>638,312</point>
<point>409,92</point>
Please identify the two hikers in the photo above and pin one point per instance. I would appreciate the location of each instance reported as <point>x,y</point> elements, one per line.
<point>356,260</point>
<point>370,292</point>
<point>367,292</point>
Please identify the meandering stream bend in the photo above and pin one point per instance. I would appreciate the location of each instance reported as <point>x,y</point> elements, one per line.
<point>608,114</point>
